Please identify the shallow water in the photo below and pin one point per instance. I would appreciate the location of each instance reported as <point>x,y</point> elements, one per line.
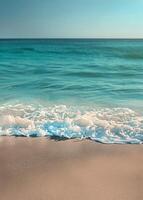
<point>73,88</point>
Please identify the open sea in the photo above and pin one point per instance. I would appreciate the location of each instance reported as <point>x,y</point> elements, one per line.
<point>72,88</point>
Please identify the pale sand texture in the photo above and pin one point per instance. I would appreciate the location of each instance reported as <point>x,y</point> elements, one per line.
<point>41,169</point>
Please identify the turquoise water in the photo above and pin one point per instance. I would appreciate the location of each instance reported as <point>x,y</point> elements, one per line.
<point>72,88</point>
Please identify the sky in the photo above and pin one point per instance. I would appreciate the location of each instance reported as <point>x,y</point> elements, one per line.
<point>71,18</point>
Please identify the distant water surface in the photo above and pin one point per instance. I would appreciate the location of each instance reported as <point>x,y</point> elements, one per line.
<point>72,88</point>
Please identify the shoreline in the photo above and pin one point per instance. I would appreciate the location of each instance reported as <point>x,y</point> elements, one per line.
<point>39,168</point>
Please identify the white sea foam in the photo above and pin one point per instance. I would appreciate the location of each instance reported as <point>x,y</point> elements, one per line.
<point>116,125</point>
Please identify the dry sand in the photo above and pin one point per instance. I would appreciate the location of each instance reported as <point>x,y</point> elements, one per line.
<point>41,169</point>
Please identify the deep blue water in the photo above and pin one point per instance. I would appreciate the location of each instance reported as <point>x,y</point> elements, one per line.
<point>85,88</point>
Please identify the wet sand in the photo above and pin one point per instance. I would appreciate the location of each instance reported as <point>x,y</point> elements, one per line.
<point>42,169</point>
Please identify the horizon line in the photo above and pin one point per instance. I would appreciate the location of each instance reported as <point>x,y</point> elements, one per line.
<point>58,38</point>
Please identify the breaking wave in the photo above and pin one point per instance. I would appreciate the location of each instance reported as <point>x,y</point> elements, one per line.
<point>106,125</point>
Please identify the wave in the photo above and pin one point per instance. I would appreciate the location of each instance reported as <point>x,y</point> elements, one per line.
<point>106,125</point>
<point>134,55</point>
<point>21,50</point>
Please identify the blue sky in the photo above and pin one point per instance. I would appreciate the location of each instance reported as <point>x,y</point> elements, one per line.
<point>71,18</point>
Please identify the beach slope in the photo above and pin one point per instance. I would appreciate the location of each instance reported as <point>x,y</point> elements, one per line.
<point>43,169</point>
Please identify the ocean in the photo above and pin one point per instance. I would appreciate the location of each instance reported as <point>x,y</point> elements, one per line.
<point>72,88</point>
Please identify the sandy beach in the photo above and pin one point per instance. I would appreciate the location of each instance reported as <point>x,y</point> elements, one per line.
<point>41,169</point>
